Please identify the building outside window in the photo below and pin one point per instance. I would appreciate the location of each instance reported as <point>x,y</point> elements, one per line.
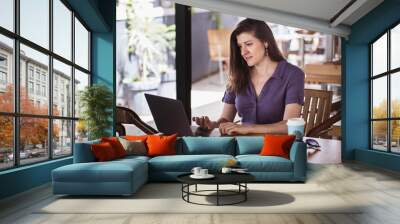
<point>38,89</point>
<point>30,87</point>
<point>43,90</point>
<point>3,72</point>
<point>30,72</point>
<point>3,78</point>
<point>3,61</point>
<point>37,74</point>
<point>43,77</point>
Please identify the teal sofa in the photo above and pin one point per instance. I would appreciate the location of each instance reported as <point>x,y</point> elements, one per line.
<point>125,176</point>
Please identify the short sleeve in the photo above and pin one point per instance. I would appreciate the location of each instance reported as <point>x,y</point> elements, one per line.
<point>229,97</point>
<point>295,88</point>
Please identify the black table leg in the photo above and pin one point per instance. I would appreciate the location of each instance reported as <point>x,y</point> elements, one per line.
<point>245,193</point>
<point>188,189</point>
<point>217,194</point>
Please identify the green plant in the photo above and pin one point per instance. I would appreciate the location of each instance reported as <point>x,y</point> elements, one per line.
<point>148,38</point>
<point>96,103</point>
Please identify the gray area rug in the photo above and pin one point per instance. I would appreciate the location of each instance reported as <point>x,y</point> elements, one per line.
<point>166,198</point>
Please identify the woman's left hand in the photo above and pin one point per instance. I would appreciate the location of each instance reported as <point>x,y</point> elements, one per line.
<point>230,128</point>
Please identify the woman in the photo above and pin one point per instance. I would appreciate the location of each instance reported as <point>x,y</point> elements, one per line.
<point>263,88</point>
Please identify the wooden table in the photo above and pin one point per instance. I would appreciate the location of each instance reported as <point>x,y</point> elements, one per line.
<point>329,153</point>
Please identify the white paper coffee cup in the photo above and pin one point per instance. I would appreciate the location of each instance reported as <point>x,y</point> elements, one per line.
<point>296,127</point>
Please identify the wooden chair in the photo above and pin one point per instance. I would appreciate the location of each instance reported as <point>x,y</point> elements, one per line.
<point>319,112</point>
<point>327,73</point>
<point>127,116</point>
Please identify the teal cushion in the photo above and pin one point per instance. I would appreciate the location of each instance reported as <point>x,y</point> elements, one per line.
<point>133,157</point>
<point>185,163</point>
<point>249,144</point>
<point>111,171</point>
<point>208,145</point>
<point>83,152</point>
<point>257,163</point>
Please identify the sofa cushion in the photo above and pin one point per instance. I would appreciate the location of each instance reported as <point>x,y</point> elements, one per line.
<point>185,163</point>
<point>161,145</point>
<point>208,145</point>
<point>116,145</point>
<point>257,163</point>
<point>135,147</point>
<point>249,144</point>
<point>136,137</point>
<point>103,152</point>
<point>112,171</point>
<point>132,158</point>
<point>277,145</point>
<point>83,152</point>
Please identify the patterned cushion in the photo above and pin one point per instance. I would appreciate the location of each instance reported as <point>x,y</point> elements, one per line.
<point>135,147</point>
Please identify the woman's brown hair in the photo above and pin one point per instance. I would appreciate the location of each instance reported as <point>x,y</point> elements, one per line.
<point>238,68</point>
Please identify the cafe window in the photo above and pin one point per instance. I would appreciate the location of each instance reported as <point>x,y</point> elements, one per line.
<point>385,96</point>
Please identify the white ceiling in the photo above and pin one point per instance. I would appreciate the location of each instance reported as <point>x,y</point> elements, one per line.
<point>308,14</point>
<point>320,9</point>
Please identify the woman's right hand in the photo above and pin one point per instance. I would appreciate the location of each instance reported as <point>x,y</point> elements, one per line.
<point>204,122</point>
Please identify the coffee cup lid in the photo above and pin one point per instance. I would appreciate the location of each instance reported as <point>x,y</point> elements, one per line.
<point>296,121</point>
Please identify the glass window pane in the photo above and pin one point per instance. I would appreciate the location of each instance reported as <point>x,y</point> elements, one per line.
<point>81,131</point>
<point>62,141</point>
<point>7,14</point>
<point>81,81</point>
<point>395,136</point>
<point>6,142</point>
<point>62,89</point>
<point>33,140</point>
<point>145,56</point>
<point>395,95</point>
<point>379,98</point>
<point>379,135</point>
<point>81,45</point>
<point>379,55</point>
<point>62,29</point>
<point>395,47</point>
<point>34,97</point>
<point>6,74</point>
<point>35,21</point>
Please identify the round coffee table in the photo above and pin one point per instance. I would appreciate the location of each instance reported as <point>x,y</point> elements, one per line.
<point>238,179</point>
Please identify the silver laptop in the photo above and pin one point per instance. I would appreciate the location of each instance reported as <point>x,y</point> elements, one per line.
<point>169,115</point>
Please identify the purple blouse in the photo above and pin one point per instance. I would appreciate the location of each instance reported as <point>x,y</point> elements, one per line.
<point>285,86</point>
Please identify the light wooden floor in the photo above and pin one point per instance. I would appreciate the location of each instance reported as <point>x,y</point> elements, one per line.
<point>378,188</point>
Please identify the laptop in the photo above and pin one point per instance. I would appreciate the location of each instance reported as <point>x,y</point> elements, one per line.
<point>169,115</point>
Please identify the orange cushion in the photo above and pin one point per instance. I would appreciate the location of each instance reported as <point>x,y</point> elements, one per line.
<point>116,145</point>
<point>161,145</point>
<point>103,151</point>
<point>277,145</point>
<point>136,137</point>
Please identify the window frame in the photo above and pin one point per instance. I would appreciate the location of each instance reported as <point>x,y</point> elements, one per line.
<point>16,114</point>
<point>388,74</point>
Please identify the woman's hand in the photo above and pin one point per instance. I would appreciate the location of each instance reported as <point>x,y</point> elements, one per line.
<point>231,128</point>
<point>205,123</point>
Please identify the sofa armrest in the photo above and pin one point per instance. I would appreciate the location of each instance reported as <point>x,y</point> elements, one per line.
<point>83,152</point>
<point>298,155</point>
